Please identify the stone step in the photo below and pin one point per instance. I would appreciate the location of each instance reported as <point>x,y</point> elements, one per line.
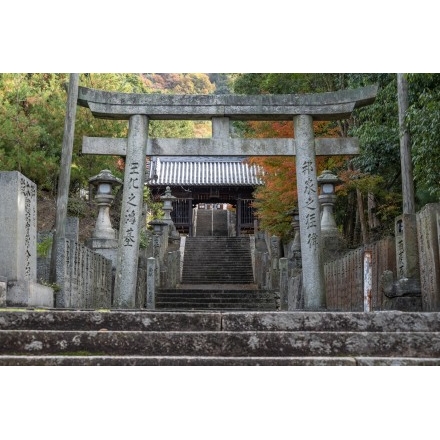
<point>143,320</point>
<point>221,279</point>
<point>242,238</point>
<point>135,320</point>
<point>217,260</point>
<point>214,294</point>
<point>205,306</point>
<point>239,260</point>
<point>215,269</point>
<point>221,343</point>
<point>214,298</point>
<point>210,299</point>
<point>214,249</point>
<point>211,360</point>
<point>216,301</point>
<point>208,264</point>
<point>113,337</point>
<point>214,252</point>
<point>218,276</point>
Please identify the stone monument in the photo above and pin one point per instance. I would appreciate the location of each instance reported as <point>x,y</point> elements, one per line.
<point>18,243</point>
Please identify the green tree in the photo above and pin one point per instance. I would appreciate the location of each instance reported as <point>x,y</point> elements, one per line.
<point>178,83</point>
<point>424,126</point>
<point>32,111</point>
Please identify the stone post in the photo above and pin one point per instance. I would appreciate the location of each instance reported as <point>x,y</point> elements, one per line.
<point>18,242</point>
<point>131,213</point>
<point>160,244</point>
<point>72,228</point>
<point>294,253</point>
<point>151,284</point>
<point>220,127</point>
<point>405,292</point>
<point>308,205</point>
<point>3,288</point>
<point>284,279</point>
<point>407,252</point>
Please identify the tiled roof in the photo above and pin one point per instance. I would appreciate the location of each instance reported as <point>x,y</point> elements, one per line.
<point>206,171</point>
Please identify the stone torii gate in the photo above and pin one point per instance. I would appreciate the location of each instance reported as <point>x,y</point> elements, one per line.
<point>138,109</point>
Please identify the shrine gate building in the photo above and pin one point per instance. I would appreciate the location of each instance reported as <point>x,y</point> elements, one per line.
<point>206,182</point>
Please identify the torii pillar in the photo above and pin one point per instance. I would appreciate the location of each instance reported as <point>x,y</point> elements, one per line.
<point>309,214</point>
<point>303,109</point>
<point>131,214</point>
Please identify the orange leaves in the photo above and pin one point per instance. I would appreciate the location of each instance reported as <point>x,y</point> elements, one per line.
<point>284,129</point>
<point>278,195</point>
<point>271,129</point>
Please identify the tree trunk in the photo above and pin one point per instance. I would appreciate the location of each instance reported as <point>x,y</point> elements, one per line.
<point>405,147</point>
<point>362,220</point>
<point>66,163</point>
<point>350,218</point>
<point>373,221</point>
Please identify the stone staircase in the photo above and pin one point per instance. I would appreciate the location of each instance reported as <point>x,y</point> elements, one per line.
<point>112,337</point>
<point>217,275</point>
<point>215,297</point>
<point>217,260</point>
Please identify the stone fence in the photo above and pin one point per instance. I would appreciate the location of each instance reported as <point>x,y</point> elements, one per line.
<point>266,255</point>
<point>83,278</point>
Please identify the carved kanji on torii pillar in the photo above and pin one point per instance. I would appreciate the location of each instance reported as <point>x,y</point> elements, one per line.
<point>302,109</point>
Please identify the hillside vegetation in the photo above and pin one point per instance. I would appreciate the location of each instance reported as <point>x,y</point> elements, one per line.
<point>32,109</point>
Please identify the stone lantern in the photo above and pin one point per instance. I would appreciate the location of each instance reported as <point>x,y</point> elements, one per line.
<point>104,238</point>
<point>327,182</point>
<point>167,207</point>
<point>333,244</point>
<point>104,182</point>
<point>167,199</point>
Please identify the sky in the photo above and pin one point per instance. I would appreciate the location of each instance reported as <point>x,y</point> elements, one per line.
<point>231,36</point>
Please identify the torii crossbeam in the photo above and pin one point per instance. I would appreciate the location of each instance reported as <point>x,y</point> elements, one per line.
<point>221,109</point>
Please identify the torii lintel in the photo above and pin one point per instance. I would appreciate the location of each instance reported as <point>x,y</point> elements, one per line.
<point>321,106</point>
